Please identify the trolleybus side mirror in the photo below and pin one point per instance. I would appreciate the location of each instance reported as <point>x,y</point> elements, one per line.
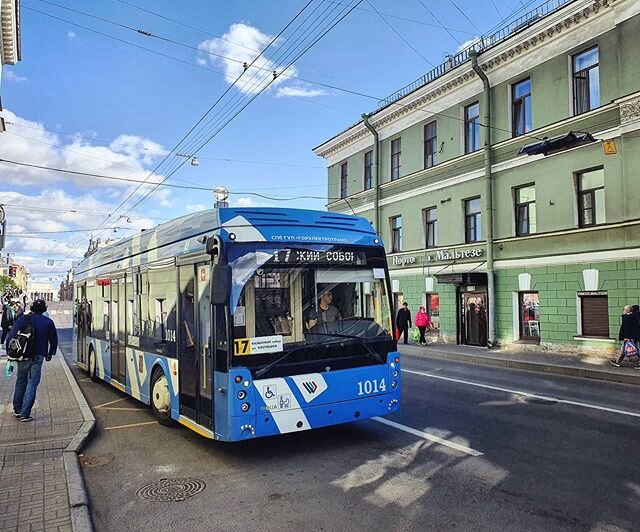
<point>220,284</point>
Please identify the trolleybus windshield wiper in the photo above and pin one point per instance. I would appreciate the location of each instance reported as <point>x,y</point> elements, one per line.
<point>359,338</point>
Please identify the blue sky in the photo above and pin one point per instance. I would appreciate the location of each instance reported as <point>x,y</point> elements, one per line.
<point>89,103</point>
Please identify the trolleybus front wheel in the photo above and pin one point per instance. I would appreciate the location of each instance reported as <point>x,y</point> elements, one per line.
<point>161,398</point>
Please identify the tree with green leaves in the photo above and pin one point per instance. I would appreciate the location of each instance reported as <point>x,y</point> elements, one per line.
<point>7,282</point>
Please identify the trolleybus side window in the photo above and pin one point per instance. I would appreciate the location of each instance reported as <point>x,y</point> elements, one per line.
<point>158,311</point>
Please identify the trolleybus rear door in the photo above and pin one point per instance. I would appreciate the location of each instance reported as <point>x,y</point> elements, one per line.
<point>117,330</point>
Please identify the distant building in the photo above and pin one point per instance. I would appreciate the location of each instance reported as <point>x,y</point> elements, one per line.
<point>66,287</point>
<point>9,37</point>
<point>42,290</point>
<point>504,182</point>
<point>15,271</point>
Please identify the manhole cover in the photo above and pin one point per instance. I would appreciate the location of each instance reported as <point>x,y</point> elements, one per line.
<point>538,401</point>
<point>171,489</point>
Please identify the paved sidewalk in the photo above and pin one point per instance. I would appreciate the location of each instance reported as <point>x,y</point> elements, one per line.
<point>41,486</point>
<point>578,365</point>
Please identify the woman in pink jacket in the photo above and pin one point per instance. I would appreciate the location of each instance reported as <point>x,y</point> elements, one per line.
<point>422,321</point>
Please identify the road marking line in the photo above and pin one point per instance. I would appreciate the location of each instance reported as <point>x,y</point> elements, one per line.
<point>85,379</point>
<point>427,436</point>
<point>131,425</point>
<point>111,402</point>
<point>117,408</point>
<point>525,394</point>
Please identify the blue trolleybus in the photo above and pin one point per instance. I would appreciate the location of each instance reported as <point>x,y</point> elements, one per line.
<point>240,323</point>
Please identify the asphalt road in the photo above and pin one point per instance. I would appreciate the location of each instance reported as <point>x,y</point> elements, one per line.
<point>564,458</point>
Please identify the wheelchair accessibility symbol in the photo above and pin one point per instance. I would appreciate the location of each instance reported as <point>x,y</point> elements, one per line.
<point>269,392</point>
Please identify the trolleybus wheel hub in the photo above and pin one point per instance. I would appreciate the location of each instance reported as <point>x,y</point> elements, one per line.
<point>161,399</point>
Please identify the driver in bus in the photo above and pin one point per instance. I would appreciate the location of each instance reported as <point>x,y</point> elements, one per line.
<point>326,312</point>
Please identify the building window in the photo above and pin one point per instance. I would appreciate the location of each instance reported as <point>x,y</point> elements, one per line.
<point>586,81</point>
<point>472,128</point>
<point>525,210</point>
<point>521,107</point>
<point>395,159</point>
<point>433,309</point>
<point>529,304</point>
<point>431,227</point>
<point>343,180</point>
<point>472,220</point>
<point>594,311</point>
<point>430,144</point>
<point>591,198</point>
<point>368,170</point>
<point>396,234</point>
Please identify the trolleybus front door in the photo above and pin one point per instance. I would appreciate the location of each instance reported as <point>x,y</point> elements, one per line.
<point>205,359</point>
<point>194,354</point>
<point>80,319</point>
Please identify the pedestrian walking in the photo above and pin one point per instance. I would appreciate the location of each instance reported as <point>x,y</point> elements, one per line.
<point>422,322</point>
<point>29,371</point>
<point>8,319</point>
<point>403,322</point>
<point>629,335</point>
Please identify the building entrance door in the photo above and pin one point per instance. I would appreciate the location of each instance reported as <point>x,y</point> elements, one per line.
<point>472,318</point>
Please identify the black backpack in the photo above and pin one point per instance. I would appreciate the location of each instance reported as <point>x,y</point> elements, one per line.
<point>23,345</point>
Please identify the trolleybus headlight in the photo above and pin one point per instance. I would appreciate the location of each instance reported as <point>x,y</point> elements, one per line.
<point>397,360</point>
<point>238,378</point>
<point>245,407</point>
<point>242,394</point>
<point>395,373</point>
<point>394,384</point>
<point>246,384</point>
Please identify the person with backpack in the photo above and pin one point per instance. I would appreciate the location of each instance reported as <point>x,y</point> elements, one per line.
<point>32,340</point>
<point>629,335</point>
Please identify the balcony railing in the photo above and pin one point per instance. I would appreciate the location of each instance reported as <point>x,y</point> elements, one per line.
<point>481,44</point>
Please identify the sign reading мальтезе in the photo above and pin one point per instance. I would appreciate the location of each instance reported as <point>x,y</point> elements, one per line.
<point>455,254</point>
<point>441,255</point>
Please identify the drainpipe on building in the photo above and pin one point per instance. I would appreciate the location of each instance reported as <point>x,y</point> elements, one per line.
<point>488,193</point>
<point>376,171</point>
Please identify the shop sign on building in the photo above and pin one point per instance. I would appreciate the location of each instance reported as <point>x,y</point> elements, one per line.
<point>403,261</point>
<point>455,254</point>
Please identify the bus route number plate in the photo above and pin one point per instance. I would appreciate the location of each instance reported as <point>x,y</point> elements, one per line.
<point>257,345</point>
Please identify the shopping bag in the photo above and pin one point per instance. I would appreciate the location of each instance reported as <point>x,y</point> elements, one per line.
<point>415,335</point>
<point>629,349</point>
<point>398,334</point>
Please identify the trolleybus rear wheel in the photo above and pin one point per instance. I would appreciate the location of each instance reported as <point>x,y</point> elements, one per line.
<point>91,366</point>
<point>161,398</point>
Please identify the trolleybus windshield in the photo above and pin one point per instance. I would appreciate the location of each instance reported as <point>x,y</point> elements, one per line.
<point>314,302</point>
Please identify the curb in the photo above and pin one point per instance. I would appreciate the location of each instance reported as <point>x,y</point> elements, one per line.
<point>567,371</point>
<point>78,496</point>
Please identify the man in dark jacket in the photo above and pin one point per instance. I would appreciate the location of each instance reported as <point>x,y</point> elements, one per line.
<point>8,319</point>
<point>629,331</point>
<point>403,321</point>
<point>29,370</point>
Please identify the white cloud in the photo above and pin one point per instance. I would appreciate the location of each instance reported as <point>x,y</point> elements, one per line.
<point>300,92</point>
<point>29,142</point>
<point>71,34</point>
<point>195,207</point>
<point>247,201</point>
<point>241,44</point>
<point>467,43</point>
<point>10,75</point>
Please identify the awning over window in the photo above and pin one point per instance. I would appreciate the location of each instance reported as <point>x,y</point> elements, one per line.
<point>556,144</point>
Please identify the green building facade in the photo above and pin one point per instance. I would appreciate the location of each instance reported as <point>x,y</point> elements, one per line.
<point>552,138</point>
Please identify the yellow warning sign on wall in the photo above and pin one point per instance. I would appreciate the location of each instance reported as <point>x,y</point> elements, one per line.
<point>609,147</point>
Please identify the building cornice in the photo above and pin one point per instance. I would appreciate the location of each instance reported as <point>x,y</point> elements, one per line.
<point>10,31</point>
<point>544,31</point>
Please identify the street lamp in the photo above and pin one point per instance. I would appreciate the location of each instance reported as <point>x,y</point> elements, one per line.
<point>221,194</point>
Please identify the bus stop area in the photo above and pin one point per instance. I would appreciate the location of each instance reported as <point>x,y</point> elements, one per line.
<point>40,480</point>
